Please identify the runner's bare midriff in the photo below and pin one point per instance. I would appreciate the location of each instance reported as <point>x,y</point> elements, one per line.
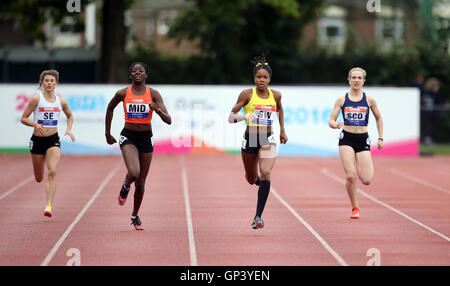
<point>355,129</point>
<point>47,131</point>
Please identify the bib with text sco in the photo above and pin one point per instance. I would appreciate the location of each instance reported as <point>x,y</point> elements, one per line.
<point>355,115</point>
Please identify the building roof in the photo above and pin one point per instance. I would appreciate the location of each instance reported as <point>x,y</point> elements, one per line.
<point>27,54</point>
<point>74,54</point>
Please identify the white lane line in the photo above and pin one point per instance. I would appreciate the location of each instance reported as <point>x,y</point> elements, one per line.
<point>342,181</point>
<point>309,227</point>
<point>60,241</point>
<point>13,189</point>
<point>187,206</point>
<point>419,181</point>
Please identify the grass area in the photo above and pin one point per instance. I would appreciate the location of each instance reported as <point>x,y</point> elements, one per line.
<point>234,151</point>
<point>436,149</point>
<point>14,150</point>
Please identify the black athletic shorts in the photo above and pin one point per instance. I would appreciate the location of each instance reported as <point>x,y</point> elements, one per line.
<point>359,142</point>
<point>251,142</point>
<point>40,145</point>
<point>141,139</point>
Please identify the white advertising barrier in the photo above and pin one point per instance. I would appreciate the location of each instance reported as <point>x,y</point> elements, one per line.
<point>199,119</point>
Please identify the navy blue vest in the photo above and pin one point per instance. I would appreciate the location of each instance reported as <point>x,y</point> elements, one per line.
<point>355,113</point>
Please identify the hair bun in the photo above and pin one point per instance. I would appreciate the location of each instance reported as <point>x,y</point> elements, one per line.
<point>260,62</point>
<point>261,59</point>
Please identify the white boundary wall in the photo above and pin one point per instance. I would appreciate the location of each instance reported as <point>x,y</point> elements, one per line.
<point>202,111</point>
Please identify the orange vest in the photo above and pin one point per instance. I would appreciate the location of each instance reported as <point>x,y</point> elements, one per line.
<point>136,107</point>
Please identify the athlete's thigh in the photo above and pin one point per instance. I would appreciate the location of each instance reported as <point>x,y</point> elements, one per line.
<point>52,157</point>
<point>250,163</point>
<point>145,159</point>
<point>365,165</point>
<point>267,157</point>
<point>130,156</point>
<point>38,165</point>
<point>348,158</point>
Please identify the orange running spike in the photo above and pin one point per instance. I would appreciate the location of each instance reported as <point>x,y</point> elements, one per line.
<point>355,213</point>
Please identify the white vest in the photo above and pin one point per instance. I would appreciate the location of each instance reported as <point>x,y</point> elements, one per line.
<point>47,113</point>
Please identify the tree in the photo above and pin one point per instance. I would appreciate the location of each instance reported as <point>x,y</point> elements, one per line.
<point>231,32</point>
<point>113,60</point>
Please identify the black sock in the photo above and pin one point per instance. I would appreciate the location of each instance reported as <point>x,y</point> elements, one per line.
<point>263,193</point>
<point>258,181</point>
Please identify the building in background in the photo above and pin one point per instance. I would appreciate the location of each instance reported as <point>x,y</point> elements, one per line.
<point>150,22</point>
<point>21,58</point>
<point>338,22</point>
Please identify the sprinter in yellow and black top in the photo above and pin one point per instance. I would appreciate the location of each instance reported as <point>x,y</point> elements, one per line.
<point>261,105</point>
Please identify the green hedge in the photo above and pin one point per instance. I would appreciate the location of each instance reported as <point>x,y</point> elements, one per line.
<point>307,66</point>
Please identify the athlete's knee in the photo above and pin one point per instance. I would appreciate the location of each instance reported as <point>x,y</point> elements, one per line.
<point>265,173</point>
<point>52,173</point>
<point>251,179</point>
<point>351,177</point>
<point>38,178</point>
<point>133,174</point>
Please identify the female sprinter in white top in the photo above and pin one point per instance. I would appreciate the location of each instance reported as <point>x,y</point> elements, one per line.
<point>44,144</point>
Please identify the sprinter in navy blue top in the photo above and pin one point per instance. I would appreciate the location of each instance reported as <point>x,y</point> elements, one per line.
<point>354,141</point>
<point>355,113</point>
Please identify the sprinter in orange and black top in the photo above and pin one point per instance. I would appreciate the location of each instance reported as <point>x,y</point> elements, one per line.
<point>139,102</point>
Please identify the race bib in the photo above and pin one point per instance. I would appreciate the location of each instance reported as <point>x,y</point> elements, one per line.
<point>265,113</point>
<point>355,114</point>
<point>122,139</point>
<point>138,110</point>
<point>244,143</point>
<point>272,140</point>
<point>48,116</point>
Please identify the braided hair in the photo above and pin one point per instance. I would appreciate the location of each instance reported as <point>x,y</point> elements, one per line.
<point>260,62</point>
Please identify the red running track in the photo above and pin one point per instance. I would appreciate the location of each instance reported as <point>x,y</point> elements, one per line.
<point>197,210</point>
